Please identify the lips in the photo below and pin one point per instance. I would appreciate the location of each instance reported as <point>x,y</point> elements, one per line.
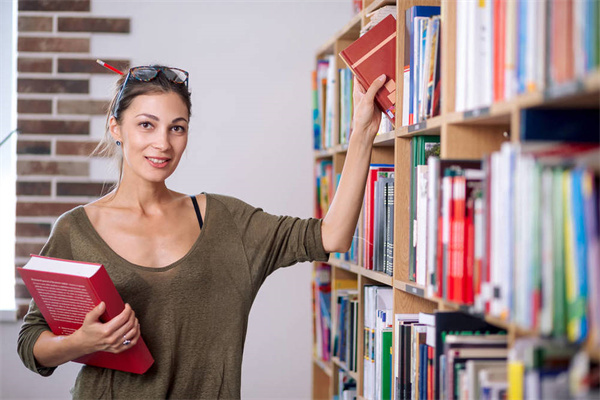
<point>158,162</point>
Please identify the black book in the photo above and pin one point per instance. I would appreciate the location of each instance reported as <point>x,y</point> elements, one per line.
<point>455,323</point>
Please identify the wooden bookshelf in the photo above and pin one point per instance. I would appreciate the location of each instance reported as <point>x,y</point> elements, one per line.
<point>470,134</point>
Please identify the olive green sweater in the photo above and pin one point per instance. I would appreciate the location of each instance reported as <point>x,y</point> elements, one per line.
<point>193,313</point>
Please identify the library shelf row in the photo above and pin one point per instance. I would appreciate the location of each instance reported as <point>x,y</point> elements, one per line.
<point>582,93</point>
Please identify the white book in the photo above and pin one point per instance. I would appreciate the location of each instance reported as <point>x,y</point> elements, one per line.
<point>473,76</point>
<point>510,52</point>
<point>579,25</point>
<point>485,48</point>
<point>472,369</point>
<point>530,45</point>
<point>461,56</point>
<point>406,96</point>
<point>495,248</point>
<point>433,181</point>
<point>427,319</point>
<point>330,101</point>
<point>547,310</point>
<point>421,232</point>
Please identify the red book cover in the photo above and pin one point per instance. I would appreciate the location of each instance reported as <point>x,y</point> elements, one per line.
<point>499,43</point>
<point>469,252</point>
<point>447,275</point>
<point>457,245</point>
<point>430,394</point>
<point>370,210</point>
<point>66,290</point>
<point>374,54</point>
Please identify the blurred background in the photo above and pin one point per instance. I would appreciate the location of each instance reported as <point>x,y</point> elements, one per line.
<point>250,68</point>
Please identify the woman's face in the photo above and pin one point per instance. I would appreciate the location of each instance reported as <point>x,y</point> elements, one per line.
<point>153,132</point>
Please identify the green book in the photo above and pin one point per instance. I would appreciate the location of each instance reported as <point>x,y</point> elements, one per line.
<point>559,322</point>
<point>386,364</point>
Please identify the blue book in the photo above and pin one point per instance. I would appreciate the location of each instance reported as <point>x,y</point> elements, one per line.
<point>577,310</point>
<point>569,125</point>
<point>521,45</point>
<point>411,14</point>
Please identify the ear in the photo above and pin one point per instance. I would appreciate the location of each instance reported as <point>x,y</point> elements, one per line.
<point>115,129</point>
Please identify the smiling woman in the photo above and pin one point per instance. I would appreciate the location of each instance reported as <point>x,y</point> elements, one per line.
<point>180,262</point>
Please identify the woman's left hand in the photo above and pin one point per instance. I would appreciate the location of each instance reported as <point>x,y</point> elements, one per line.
<point>367,116</point>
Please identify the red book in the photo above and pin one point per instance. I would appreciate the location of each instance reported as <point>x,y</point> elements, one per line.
<point>370,210</point>
<point>499,43</point>
<point>374,54</point>
<point>457,238</point>
<point>65,291</point>
<point>430,394</point>
<point>469,252</point>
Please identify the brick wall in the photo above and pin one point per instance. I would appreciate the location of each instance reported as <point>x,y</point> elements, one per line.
<point>54,112</point>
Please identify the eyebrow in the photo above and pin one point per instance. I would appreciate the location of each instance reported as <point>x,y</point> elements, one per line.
<point>154,117</point>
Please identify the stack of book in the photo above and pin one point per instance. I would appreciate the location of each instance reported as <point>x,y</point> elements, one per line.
<point>378,317</point>
<point>324,86</point>
<point>421,97</point>
<point>423,147</point>
<point>322,311</point>
<point>516,236</point>
<point>346,329</point>
<point>436,355</point>
<point>505,48</point>
<point>325,185</point>
<point>346,387</point>
<point>378,219</point>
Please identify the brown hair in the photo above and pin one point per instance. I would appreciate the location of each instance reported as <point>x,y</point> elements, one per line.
<point>133,88</point>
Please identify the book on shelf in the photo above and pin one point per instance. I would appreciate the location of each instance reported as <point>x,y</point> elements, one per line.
<point>372,55</point>
<point>346,104</point>
<point>346,386</point>
<point>421,64</point>
<point>325,184</point>
<point>422,148</point>
<point>378,311</point>
<point>319,86</point>
<point>378,15</point>
<point>376,171</point>
<point>506,48</point>
<point>322,311</point>
<point>65,291</point>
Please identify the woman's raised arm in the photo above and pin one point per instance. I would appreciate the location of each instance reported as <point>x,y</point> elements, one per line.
<point>339,224</point>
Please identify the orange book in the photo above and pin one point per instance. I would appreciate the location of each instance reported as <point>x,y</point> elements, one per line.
<point>499,43</point>
<point>66,290</point>
<point>374,54</point>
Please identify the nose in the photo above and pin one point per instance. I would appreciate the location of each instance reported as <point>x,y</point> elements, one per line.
<point>161,140</point>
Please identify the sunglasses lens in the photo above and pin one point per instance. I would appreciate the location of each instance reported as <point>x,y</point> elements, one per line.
<point>143,73</point>
<point>175,75</point>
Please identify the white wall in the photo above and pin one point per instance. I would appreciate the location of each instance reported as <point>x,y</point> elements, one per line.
<point>250,137</point>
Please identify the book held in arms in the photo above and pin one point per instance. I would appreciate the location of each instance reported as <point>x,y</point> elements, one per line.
<point>372,55</point>
<point>65,291</point>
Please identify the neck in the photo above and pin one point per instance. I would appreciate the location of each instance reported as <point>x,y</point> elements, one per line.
<point>143,196</point>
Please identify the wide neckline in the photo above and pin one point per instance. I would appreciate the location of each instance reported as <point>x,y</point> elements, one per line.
<point>126,262</point>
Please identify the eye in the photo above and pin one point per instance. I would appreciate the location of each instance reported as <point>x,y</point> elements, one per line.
<point>178,129</point>
<point>145,124</point>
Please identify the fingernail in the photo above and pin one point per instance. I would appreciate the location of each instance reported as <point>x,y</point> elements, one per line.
<point>382,78</point>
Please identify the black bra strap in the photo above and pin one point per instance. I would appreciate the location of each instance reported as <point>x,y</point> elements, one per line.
<point>197,210</point>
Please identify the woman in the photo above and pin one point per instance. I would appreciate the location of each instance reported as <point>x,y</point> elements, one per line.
<point>190,266</point>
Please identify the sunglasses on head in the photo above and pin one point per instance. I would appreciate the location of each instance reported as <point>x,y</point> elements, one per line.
<point>147,73</point>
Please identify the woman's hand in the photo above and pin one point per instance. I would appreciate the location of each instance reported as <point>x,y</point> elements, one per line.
<point>95,335</point>
<point>366,117</point>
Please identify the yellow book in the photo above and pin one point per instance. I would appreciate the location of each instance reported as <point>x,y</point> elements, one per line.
<point>570,265</point>
<point>516,371</point>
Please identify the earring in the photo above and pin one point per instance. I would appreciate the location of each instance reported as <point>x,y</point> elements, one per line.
<point>118,143</point>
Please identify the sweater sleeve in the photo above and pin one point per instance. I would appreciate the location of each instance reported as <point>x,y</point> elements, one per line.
<point>59,246</point>
<point>271,242</point>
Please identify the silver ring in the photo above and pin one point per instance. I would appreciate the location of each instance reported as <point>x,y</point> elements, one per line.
<point>126,342</point>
